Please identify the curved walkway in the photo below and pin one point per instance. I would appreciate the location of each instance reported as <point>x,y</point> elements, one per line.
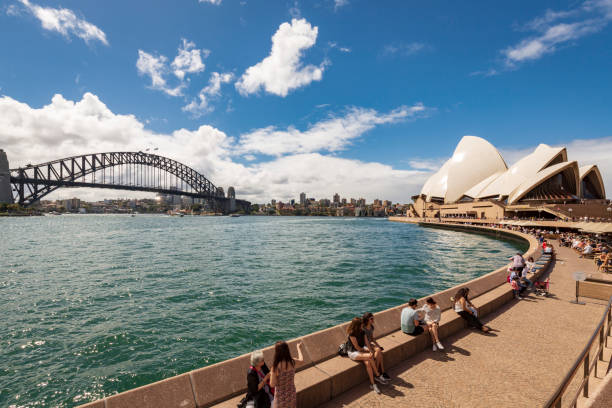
<point>534,344</point>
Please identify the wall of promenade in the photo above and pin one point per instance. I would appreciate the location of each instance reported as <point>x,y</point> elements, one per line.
<point>324,374</point>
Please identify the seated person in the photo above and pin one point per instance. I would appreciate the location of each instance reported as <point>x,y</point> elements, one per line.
<point>432,319</point>
<point>530,265</point>
<point>411,321</point>
<point>516,288</point>
<point>515,276</point>
<point>259,392</point>
<point>525,279</point>
<point>462,303</point>
<point>588,250</point>
<point>549,249</point>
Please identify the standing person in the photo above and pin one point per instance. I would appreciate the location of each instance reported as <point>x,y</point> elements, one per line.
<point>259,394</point>
<point>462,308</point>
<point>410,321</point>
<point>518,262</point>
<point>283,374</point>
<point>368,327</point>
<point>358,350</point>
<point>432,320</point>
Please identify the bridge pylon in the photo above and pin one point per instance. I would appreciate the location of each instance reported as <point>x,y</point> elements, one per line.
<point>6,193</point>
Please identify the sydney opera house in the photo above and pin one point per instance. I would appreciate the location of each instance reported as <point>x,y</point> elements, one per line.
<point>476,183</point>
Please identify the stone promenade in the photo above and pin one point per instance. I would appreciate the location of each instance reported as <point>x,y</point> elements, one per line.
<point>534,343</point>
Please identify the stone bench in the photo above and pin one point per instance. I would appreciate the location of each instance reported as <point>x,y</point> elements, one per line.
<point>324,374</point>
<point>337,374</point>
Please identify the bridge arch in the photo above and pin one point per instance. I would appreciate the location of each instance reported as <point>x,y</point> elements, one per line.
<point>135,171</point>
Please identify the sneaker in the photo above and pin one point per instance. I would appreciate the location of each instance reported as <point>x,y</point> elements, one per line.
<point>380,379</point>
<point>440,346</point>
<point>386,376</point>
<point>434,348</point>
<point>375,388</point>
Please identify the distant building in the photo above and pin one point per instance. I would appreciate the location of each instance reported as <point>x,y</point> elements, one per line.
<point>377,202</point>
<point>72,204</point>
<point>387,203</point>
<point>344,201</point>
<point>361,202</point>
<point>302,198</point>
<point>337,198</point>
<point>273,203</point>
<point>324,202</point>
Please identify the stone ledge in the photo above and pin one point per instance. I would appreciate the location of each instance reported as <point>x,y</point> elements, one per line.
<point>324,374</point>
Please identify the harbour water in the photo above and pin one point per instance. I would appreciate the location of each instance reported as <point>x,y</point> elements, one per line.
<point>94,305</point>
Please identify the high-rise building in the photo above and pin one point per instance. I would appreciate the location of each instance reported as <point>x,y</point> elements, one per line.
<point>336,198</point>
<point>377,202</point>
<point>361,202</point>
<point>302,198</point>
<point>344,201</point>
<point>387,203</point>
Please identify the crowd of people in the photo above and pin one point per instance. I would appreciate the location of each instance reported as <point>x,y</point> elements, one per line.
<point>591,247</point>
<point>275,388</point>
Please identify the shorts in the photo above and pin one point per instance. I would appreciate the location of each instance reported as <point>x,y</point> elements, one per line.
<point>354,354</point>
<point>417,330</point>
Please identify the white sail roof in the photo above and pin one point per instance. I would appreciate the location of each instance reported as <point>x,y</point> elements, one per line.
<point>584,171</point>
<point>524,170</point>
<point>473,161</point>
<point>540,177</point>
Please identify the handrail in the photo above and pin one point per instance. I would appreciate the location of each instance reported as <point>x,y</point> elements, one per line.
<point>556,399</point>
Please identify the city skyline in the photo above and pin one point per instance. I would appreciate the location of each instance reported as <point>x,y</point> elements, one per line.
<point>321,97</point>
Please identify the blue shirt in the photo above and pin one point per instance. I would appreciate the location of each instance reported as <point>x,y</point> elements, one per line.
<point>408,316</point>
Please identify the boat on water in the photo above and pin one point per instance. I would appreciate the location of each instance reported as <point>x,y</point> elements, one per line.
<point>234,215</point>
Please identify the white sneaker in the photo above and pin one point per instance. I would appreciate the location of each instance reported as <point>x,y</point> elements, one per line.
<point>440,346</point>
<point>434,348</point>
<point>380,379</point>
<point>375,388</point>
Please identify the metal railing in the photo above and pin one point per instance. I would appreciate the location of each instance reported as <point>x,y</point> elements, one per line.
<point>584,360</point>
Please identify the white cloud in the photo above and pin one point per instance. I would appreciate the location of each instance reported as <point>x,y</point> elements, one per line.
<point>156,68</point>
<point>591,17</point>
<point>405,49</point>
<point>340,3</point>
<point>65,128</point>
<point>215,2</point>
<point>332,134</point>
<point>550,39</point>
<point>427,164</point>
<point>65,22</point>
<point>282,71</point>
<point>333,44</point>
<point>212,90</point>
<point>188,59</point>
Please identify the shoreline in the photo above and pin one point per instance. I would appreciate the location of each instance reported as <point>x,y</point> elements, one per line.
<point>224,380</point>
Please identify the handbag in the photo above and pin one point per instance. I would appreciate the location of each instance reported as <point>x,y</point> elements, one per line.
<point>344,348</point>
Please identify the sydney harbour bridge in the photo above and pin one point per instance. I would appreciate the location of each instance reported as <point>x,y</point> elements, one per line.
<point>132,171</point>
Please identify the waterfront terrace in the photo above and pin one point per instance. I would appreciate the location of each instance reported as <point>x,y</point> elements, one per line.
<point>533,325</point>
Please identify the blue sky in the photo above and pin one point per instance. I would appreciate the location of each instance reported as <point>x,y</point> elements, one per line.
<point>279,97</point>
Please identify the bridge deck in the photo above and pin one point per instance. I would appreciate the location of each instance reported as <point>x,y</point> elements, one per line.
<point>535,343</point>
